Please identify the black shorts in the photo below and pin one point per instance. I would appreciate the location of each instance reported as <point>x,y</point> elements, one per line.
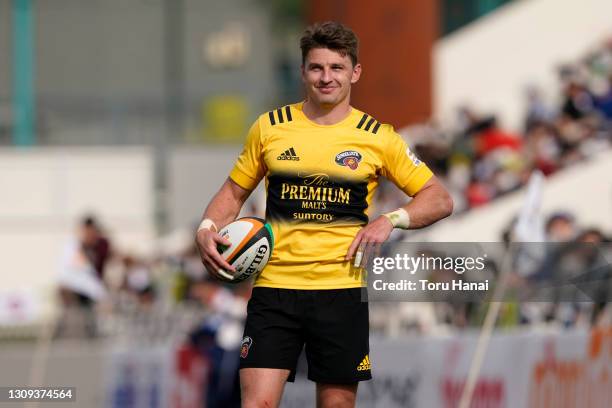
<point>332,324</point>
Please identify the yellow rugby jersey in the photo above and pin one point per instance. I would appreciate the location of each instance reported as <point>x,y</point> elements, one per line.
<point>319,182</point>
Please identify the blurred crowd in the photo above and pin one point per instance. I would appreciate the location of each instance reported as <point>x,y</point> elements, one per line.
<point>563,282</point>
<point>480,161</point>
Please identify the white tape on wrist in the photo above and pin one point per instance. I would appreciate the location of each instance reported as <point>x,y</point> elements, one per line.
<point>399,218</point>
<point>207,224</point>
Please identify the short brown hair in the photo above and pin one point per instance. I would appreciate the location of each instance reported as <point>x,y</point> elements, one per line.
<point>332,35</point>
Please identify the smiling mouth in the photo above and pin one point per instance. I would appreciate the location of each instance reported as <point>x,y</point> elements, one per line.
<point>326,88</point>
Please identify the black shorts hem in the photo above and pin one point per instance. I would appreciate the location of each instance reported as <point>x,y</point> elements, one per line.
<point>343,381</point>
<point>291,377</point>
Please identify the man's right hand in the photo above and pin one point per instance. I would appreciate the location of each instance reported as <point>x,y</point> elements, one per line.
<point>206,242</point>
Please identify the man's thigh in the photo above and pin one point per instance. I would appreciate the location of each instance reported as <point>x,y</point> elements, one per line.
<point>262,387</point>
<point>336,395</point>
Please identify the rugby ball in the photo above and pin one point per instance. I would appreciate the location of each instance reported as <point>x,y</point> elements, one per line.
<point>251,245</point>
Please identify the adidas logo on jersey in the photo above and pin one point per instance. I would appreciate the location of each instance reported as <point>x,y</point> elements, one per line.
<point>288,154</point>
<point>365,364</point>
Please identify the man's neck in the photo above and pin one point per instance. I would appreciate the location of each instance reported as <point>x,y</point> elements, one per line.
<point>323,115</point>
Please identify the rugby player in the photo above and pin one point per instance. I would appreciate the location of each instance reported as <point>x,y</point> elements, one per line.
<point>321,160</point>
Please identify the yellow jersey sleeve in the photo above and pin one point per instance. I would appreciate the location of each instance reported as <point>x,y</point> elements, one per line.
<point>250,168</point>
<point>401,166</point>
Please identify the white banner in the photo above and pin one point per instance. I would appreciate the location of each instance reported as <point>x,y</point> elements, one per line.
<point>139,376</point>
<point>521,369</point>
<point>526,369</point>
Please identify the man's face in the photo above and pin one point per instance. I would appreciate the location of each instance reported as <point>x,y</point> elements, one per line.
<point>328,76</point>
<point>89,235</point>
<point>561,230</point>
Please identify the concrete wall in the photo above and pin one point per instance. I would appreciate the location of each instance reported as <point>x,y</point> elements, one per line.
<point>44,192</point>
<point>195,175</point>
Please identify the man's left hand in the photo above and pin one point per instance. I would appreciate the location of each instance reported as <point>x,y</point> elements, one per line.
<point>374,233</point>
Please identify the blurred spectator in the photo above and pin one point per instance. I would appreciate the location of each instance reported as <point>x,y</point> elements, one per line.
<point>219,337</point>
<point>543,147</point>
<point>189,270</point>
<point>83,264</point>
<point>479,193</point>
<point>489,137</point>
<point>578,102</point>
<point>603,101</point>
<point>598,271</point>
<point>592,235</point>
<point>138,281</point>
<point>537,111</point>
<point>95,245</point>
<point>80,279</point>
<point>560,227</point>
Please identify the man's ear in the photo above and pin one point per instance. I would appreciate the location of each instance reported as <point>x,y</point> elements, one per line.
<point>356,74</point>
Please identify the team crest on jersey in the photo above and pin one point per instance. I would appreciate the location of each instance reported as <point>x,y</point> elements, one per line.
<point>247,342</point>
<point>349,158</point>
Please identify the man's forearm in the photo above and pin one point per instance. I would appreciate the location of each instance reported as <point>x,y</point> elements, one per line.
<point>226,204</point>
<point>430,205</point>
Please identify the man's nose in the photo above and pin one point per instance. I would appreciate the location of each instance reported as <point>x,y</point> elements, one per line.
<point>326,75</point>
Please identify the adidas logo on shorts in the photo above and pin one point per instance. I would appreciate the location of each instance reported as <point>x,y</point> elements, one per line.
<point>365,364</point>
<point>288,154</point>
